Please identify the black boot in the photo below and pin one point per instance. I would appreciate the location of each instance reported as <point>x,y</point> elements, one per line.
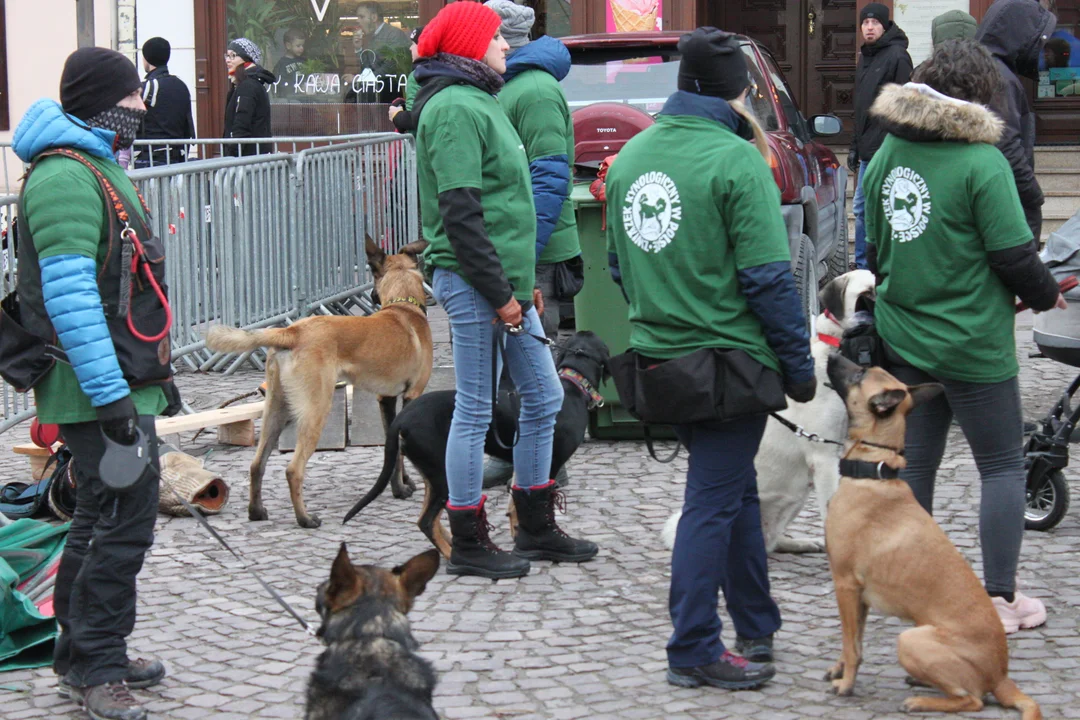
<point>538,536</point>
<point>473,553</point>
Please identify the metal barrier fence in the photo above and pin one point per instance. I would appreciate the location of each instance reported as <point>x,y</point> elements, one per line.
<point>265,240</point>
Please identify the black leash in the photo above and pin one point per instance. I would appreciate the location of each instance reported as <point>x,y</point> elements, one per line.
<point>273,593</point>
<point>814,437</point>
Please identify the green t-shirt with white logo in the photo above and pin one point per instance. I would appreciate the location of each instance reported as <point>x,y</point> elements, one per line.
<point>466,141</point>
<point>934,210</point>
<point>689,204</point>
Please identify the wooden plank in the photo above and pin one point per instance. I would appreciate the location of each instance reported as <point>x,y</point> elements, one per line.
<point>210,418</point>
<point>239,433</point>
<point>33,450</point>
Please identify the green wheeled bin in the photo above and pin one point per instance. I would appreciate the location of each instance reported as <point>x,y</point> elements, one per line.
<point>601,308</point>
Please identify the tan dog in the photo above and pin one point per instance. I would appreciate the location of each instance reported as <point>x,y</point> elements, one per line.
<point>387,354</point>
<point>887,553</point>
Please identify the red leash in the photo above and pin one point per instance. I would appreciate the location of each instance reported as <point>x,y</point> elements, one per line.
<point>1064,286</point>
<point>137,256</point>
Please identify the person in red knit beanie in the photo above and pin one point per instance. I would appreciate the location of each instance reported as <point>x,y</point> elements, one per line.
<point>476,204</point>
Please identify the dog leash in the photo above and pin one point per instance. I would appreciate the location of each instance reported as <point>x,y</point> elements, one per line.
<point>814,437</point>
<point>221,541</point>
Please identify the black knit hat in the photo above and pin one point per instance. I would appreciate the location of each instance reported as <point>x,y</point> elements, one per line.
<point>414,36</point>
<point>157,51</point>
<point>95,79</point>
<point>877,11</point>
<point>712,64</point>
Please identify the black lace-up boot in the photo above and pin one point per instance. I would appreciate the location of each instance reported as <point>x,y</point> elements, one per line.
<point>538,535</point>
<point>472,551</point>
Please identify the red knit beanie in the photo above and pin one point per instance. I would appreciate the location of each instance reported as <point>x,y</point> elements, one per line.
<point>460,28</point>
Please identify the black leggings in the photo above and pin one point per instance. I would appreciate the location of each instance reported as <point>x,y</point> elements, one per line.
<point>991,418</point>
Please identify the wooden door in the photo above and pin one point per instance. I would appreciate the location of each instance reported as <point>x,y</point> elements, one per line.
<point>776,24</point>
<point>831,39</point>
<point>211,75</point>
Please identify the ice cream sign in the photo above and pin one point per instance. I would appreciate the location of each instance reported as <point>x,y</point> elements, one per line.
<point>634,15</point>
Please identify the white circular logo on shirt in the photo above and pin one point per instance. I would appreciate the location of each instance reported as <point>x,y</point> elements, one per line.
<point>652,211</point>
<point>906,201</point>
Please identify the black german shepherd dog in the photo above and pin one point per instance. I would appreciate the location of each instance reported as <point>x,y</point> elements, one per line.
<point>370,670</point>
<point>421,430</point>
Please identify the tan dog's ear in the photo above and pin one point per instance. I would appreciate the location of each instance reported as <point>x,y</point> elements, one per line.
<point>884,403</point>
<point>414,575</point>
<point>415,248</point>
<point>375,254</point>
<point>925,392</point>
<point>344,586</point>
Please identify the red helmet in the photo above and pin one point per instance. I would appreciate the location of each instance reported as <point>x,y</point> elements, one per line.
<point>601,129</point>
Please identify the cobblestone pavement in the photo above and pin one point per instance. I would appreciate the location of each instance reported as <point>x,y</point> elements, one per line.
<point>565,642</point>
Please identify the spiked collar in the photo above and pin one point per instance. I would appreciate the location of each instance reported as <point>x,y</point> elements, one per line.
<point>582,383</point>
<point>396,300</point>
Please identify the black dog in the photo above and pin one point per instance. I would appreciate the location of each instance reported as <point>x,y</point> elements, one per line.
<point>370,670</point>
<point>423,427</point>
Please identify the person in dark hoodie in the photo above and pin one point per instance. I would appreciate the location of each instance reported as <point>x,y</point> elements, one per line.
<point>885,60</point>
<point>952,250</point>
<point>400,110</point>
<point>477,209</point>
<point>72,245</point>
<point>537,108</point>
<point>168,108</point>
<point>1014,31</point>
<point>247,109</point>
<point>697,241</point>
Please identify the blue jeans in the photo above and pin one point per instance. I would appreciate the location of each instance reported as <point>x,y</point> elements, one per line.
<point>719,544</point>
<point>533,372</point>
<point>859,207</point>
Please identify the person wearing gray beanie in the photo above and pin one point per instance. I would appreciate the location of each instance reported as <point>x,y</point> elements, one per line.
<point>517,22</point>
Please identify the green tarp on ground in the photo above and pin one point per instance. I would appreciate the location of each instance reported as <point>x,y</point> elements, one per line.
<point>28,548</point>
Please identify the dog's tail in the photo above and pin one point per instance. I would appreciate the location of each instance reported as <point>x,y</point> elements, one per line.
<point>671,527</point>
<point>1009,695</point>
<point>390,459</point>
<point>222,338</point>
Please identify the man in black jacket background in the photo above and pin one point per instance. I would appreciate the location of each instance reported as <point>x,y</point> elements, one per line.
<point>884,60</point>
<point>1014,31</point>
<point>168,108</point>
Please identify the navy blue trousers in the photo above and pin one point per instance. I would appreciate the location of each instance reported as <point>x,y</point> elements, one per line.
<point>719,544</point>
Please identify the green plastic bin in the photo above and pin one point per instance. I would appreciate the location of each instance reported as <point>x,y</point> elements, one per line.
<point>601,308</point>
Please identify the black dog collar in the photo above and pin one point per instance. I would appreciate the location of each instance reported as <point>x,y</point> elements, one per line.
<point>863,470</point>
<point>582,383</point>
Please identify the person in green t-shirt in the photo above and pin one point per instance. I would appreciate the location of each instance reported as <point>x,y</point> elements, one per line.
<point>697,240</point>
<point>110,387</point>
<point>949,243</point>
<point>478,215</point>
<point>537,108</point>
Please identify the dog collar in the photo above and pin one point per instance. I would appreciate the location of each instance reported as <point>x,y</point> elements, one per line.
<point>863,470</point>
<point>418,303</point>
<point>829,340</point>
<point>582,383</point>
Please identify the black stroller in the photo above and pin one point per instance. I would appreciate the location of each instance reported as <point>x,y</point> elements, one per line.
<point>1057,335</point>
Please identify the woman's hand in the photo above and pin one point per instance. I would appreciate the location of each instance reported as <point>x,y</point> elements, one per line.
<point>1061,303</point>
<point>510,313</point>
<point>538,301</point>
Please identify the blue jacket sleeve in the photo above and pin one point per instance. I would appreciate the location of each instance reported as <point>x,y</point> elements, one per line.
<point>771,294</point>
<point>551,188</point>
<point>69,285</point>
<point>616,273</point>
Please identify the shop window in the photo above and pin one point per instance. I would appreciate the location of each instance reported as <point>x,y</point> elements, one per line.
<point>339,63</point>
<point>1059,67</point>
<point>552,17</point>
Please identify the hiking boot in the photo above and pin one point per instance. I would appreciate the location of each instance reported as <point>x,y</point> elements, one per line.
<point>538,536</point>
<point>112,701</point>
<point>141,674</point>
<point>497,472</point>
<point>1023,612</point>
<point>473,553</point>
<point>758,650</point>
<point>730,672</point>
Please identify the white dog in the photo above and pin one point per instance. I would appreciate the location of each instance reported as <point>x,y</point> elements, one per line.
<point>788,465</point>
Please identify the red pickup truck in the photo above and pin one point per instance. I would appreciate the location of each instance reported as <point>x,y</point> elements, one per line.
<point>641,69</point>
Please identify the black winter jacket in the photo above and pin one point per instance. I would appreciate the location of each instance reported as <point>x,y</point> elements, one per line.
<point>1014,31</point>
<point>168,109</point>
<point>247,112</point>
<point>886,61</point>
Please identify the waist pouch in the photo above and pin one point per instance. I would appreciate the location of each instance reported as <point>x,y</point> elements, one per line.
<point>706,385</point>
<point>569,278</point>
<point>25,358</point>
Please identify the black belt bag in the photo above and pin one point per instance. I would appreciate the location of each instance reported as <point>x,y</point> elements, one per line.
<point>569,278</point>
<point>706,385</point>
<point>25,358</point>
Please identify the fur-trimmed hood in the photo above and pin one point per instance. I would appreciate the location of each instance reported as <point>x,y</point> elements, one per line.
<point>919,113</point>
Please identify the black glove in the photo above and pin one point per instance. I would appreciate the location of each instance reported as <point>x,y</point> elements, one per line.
<point>172,396</point>
<point>853,163</point>
<point>802,392</point>
<point>119,420</point>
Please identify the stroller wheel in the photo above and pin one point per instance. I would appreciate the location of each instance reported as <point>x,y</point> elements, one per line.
<point>1048,503</point>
